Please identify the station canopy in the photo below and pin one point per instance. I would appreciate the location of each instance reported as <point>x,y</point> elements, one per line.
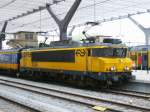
<point>31,15</point>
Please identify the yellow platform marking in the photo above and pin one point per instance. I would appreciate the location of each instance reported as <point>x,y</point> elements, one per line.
<point>99,108</point>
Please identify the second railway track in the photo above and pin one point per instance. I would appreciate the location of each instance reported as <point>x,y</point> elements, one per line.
<point>74,97</point>
<point>129,93</point>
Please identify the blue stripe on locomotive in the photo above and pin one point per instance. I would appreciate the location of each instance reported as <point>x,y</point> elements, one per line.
<point>9,58</point>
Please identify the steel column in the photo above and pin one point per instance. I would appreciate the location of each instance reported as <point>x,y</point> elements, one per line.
<point>2,34</point>
<point>145,30</point>
<point>63,24</point>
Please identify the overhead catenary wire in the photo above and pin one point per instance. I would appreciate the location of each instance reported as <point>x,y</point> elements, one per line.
<point>94,11</point>
<point>40,21</point>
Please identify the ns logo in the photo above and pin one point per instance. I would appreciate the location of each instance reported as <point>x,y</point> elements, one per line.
<point>80,52</point>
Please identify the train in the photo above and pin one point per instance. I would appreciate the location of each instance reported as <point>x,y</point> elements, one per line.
<point>140,55</point>
<point>103,62</point>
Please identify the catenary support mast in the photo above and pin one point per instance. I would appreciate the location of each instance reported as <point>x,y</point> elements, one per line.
<point>63,24</point>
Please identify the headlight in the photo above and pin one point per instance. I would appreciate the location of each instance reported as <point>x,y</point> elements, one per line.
<point>133,65</point>
<point>113,68</point>
<point>126,68</point>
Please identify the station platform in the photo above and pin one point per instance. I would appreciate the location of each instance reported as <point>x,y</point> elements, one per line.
<point>142,75</point>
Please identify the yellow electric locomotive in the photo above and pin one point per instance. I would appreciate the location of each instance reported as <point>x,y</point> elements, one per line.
<point>100,62</point>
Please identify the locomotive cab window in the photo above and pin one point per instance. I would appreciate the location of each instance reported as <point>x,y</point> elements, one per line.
<point>109,52</point>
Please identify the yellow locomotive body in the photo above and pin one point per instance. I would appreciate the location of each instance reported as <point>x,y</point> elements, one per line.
<point>76,64</point>
<point>98,62</point>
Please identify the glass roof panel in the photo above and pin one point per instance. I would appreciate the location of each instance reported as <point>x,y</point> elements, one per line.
<point>89,10</point>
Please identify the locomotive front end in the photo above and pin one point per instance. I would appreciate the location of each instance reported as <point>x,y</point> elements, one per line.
<point>111,64</point>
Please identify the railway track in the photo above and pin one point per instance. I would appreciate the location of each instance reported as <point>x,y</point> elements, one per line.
<point>73,97</point>
<point>130,93</point>
<point>12,84</point>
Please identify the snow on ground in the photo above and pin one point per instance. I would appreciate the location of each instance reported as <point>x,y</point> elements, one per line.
<point>141,75</point>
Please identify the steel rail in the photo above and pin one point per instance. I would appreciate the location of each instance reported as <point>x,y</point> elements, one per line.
<point>129,90</point>
<point>128,93</point>
<point>14,102</point>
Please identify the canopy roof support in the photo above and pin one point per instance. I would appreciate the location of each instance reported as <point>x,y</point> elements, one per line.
<point>145,30</point>
<point>2,34</point>
<point>63,24</point>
